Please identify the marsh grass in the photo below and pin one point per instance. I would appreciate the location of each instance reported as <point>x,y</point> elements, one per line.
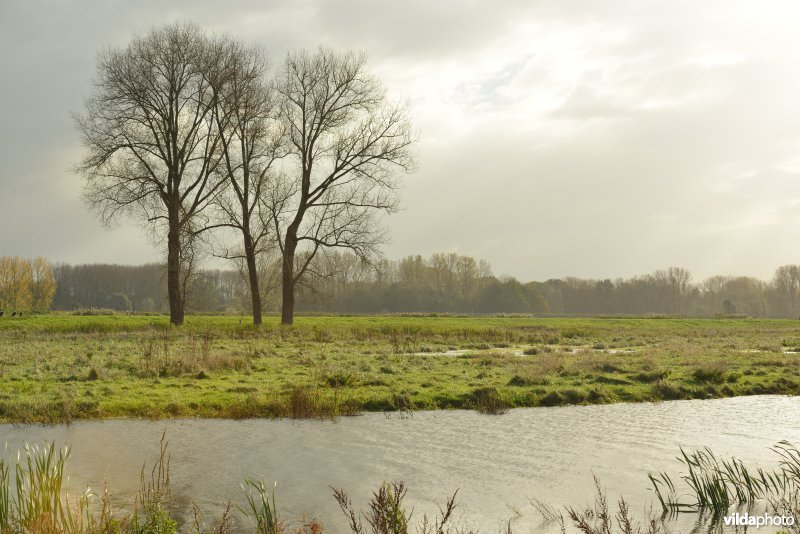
<point>164,354</point>
<point>60,368</point>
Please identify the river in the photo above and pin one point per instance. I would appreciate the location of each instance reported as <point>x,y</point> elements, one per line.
<point>495,462</point>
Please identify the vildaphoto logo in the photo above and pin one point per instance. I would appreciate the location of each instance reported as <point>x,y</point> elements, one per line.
<point>763,520</point>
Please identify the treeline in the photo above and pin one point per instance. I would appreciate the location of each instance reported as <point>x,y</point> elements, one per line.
<point>452,283</point>
<point>26,284</point>
<point>143,288</point>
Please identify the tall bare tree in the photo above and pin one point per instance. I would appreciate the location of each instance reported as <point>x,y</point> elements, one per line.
<point>152,144</point>
<point>345,139</point>
<point>251,140</point>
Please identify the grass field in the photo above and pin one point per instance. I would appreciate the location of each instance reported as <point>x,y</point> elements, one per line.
<point>56,368</point>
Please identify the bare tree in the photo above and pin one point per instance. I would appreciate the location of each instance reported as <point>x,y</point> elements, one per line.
<point>345,139</point>
<point>16,282</point>
<point>787,283</point>
<point>251,140</point>
<point>152,145</point>
<point>43,284</point>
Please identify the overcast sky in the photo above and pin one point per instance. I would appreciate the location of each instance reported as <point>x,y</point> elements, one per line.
<point>585,138</point>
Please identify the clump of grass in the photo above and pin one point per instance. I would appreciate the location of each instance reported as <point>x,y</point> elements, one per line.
<point>714,373</point>
<point>306,403</point>
<point>337,378</point>
<point>603,379</point>
<point>553,398</point>
<point>667,390</point>
<point>323,335</point>
<point>488,401</point>
<point>402,403</point>
<point>303,404</point>
<point>648,377</point>
<point>517,380</point>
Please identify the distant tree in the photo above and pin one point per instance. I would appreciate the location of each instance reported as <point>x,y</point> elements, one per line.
<point>680,282</point>
<point>147,305</point>
<point>713,292</point>
<point>118,302</point>
<point>15,283</point>
<point>748,294</point>
<point>728,307</point>
<point>670,289</point>
<point>536,301</point>
<point>503,296</point>
<point>787,285</point>
<point>552,290</point>
<point>43,284</point>
<point>345,138</point>
<point>152,145</point>
<point>205,293</point>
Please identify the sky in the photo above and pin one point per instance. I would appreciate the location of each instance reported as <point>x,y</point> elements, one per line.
<point>556,138</point>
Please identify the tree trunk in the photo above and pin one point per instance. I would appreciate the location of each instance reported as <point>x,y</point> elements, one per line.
<point>174,276</point>
<point>252,271</point>
<point>287,307</point>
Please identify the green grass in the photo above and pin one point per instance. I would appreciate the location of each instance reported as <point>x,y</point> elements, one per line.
<point>63,367</point>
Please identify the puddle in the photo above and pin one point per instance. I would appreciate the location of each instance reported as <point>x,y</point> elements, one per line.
<point>451,353</point>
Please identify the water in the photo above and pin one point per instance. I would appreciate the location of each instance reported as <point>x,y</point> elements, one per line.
<point>494,461</point>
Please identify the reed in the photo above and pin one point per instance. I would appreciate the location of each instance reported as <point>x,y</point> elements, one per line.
<point>33,499</point>
<point>716,484</point>
<point>387,514</point>
<point>599,519</point>
<point>153,505</point>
